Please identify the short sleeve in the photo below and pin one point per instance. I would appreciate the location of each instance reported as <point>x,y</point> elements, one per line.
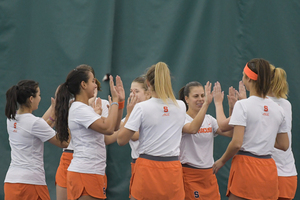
<point>42,130</point>
<point>135,119</point>
<point>86,116</point>
<point>238,116</point>
<point>283,128</point>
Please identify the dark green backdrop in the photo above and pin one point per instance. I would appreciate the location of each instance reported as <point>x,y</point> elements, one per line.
<point>207,40</point>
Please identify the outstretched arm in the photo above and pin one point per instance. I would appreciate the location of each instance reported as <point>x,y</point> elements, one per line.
<point>124,134</point>
<point>220,115</point>
<point>233,147</point>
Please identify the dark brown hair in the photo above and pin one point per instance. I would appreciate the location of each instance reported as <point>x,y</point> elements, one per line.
<point>19,94</point>
<point>262,68</point>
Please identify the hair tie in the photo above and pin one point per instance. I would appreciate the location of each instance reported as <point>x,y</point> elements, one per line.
<point>251,74</point>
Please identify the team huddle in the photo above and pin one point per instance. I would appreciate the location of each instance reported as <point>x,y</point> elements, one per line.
<point>171,140</point>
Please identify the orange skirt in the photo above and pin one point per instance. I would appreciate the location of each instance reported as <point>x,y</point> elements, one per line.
<point>81,184</point>
<point>130,184</point>
<point>61,172</point>
<point>287,186</point>
<point>200,184</point>
<point>23,191</point>
<point>253,178</point>
<point>157,180</point>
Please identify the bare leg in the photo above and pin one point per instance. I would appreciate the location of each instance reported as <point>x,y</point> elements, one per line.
<point>233,197</point>
<point>132,198</point>
<point>61,193</point>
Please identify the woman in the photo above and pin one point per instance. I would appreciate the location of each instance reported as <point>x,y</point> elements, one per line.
<point>86,174</point>
<point>139,89</point>
<point>67,155</point>
<point>259,125</point>
<point>196,147</point>
<point>25,178</point>
<point>159,121</point>
<point>285,162</point>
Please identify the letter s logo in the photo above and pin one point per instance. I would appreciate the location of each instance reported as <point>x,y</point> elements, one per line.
<point>196,194</point>
<point>15,125</point>
<point>166,109</point>
<point>266,108</point>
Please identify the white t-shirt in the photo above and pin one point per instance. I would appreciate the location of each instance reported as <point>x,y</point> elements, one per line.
<point>284,160</point>
<point>263,119</point>
<point>103,114</point>
<point>160,126</point>
<point>197,149</point>
<point>89,148</point>
<point>27,135</point>
<point>134,145</point>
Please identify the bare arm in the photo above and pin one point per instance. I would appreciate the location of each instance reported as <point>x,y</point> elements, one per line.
<point>121,92</point>
<point>282,141</point>
<point>225,133</point>
<point>135,136</point>
<point>107,125</point>
<point>49,115</point>
<point>109,139</point>
<point>233,147</point>
<point>220,115</point>
<point>125,134</point>
<point>55,141</point>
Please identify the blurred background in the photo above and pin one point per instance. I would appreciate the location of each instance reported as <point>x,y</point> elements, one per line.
<point>200,40</point>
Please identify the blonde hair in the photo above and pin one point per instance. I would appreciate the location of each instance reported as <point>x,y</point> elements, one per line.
<point>279,85</point>
<point>159,78</point>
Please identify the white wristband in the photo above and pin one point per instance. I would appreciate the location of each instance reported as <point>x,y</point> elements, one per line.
<point>114,103</point>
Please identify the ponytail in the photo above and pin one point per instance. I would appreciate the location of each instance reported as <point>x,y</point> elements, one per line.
<point>182,97</point>
<point>19,94</point>
<point>11,102</point>
<point>159,78</point>
<point>279,85</point>
<point>67,90</point>
<point>63,97</point>
<point>262,68</point>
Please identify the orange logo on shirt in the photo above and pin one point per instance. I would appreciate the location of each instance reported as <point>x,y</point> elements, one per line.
<point>205,130</point>
<point>266,108</point>
<point>15,127</point>
<point>166,109</point>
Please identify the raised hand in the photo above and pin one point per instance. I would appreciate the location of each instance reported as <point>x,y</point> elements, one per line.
<point>242,91</point>
<point>208,94</point>
<point>232,97</point>
<point>131,101</point>
<point>113,89</point>
<point>218,94</point>
<point>93,99</point>
<point>120,88</point>
<point>97,106</point>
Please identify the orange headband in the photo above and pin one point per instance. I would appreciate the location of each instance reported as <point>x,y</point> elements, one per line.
<point>251,74</point>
